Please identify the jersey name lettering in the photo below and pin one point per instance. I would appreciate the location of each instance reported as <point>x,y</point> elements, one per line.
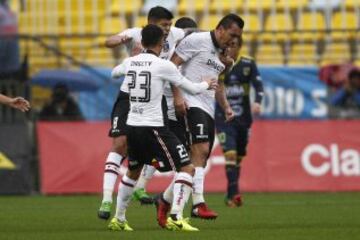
<point>215,65</point>
<point>140,63</point>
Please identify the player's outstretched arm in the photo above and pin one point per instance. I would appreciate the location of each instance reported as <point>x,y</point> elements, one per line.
<point>117,40</point>
<point>17,102</point>
<point>172,74</point>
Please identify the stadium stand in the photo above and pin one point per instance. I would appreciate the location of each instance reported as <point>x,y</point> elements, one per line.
<point>190,6</point>
<point>310,26</point>
<point>335,53</point>
<point>303,54</point>
<point>275,30</point>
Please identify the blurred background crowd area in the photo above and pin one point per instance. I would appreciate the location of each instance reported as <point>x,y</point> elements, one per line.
<point>40,35</point>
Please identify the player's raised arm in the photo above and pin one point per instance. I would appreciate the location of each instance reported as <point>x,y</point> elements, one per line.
<point>117,40</point>
<point>122,38</point>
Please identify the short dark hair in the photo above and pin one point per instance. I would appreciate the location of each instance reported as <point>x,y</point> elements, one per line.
<point>229,19</point>
<point>159,12</point>
<point>151,35</point>
<point>185,22</point>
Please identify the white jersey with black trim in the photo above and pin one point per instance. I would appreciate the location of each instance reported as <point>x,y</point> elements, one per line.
<point>175,35</point>
<point>201,59</point>
<point>145,79</point>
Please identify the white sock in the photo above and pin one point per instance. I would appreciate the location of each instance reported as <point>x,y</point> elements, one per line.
<point>168,194</point>
<point>126,188</point>
<point>182,190</point>
<point>198,186</point>
<point>112,166</point>
<point>146,174</point>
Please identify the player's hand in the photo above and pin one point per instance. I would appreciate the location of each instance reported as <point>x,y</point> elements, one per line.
<point>227,60</point>
<point>180,106</point>
<point>137,48</point>
<point>124,39</point>
<point>256,108</point>
<point>212,82</point>
<point>20,104</point>
<point>229,114</point>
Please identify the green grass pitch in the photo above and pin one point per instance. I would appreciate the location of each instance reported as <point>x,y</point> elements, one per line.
<point>264,216</point>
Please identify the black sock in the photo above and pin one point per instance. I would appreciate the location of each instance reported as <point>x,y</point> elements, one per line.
<point>232,174</point>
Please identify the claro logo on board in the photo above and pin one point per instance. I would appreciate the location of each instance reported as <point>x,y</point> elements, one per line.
<point>318,160</point>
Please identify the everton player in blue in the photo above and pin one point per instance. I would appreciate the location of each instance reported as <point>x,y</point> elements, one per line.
<point>233,135</point>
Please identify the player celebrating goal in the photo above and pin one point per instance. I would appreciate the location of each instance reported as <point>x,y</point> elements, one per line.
<point>131,39</point>
<point>199,56</point>
<point>148,136</point>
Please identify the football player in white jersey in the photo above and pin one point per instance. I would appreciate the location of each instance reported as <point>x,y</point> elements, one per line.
<point>131,39</point>
<point>148,136</point>
<point>199,55</point>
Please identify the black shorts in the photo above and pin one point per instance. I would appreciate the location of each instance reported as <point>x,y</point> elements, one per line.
<point>179,129</point>
<point>148,143</point>
<point>201,126</point>
<point>119,115</point>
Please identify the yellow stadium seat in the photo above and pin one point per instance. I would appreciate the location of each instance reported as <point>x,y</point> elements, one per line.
<point>352,3</point>
<point>303,54</point>
<point>141,21</point>
<point>100,57</point>
<point>260,4</point>
<point>226,5</point>
<point>252,22</point>
<point>125,6</point>
<point>74,22</point>
<point>336,53</point>
<point>24,23</point>
<point>112,25</point>
<point>357,63</point>
<point>281,22</point>
<point>245,49</point>
<point>209,22</point>
<point>15,6</point>
<point>86,5</point>
<point>312,24</point>
<point>343,21</point>
<point>77,47</point>
<point>270,54</point>
<point>190,5</point>
<point>291,4</point>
